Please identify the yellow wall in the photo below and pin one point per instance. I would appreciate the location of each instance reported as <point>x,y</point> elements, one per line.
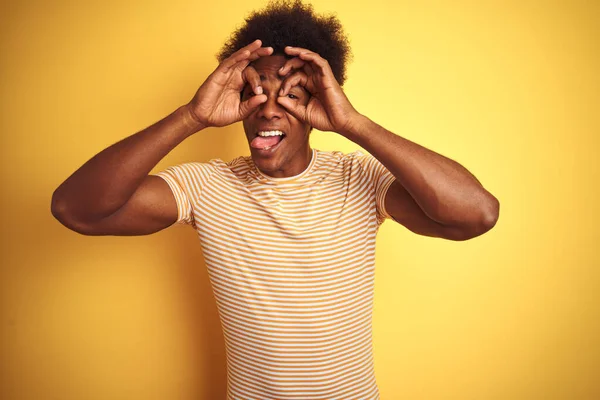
<point>509,89</point>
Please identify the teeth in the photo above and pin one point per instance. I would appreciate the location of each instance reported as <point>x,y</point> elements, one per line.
<point>270,133</point>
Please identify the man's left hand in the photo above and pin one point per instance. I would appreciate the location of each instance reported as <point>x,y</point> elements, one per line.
<point>328,108</point>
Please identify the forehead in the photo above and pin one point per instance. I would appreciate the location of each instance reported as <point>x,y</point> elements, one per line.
<point>268,66</point>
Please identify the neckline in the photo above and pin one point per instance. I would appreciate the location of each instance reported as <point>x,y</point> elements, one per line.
<point>290,178</point>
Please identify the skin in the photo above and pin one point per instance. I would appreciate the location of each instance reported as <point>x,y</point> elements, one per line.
<point>113,193</point>
<point>432,195</point>
<point>253,71</point>
<point>293,154</point>
<point>217,102</point>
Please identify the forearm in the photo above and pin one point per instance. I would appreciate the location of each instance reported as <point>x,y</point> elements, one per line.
<point>446,191</point>
<point>106,182</point>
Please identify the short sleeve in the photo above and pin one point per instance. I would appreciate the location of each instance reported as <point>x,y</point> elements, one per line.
<point>381,179</point>
<point>186,182</point>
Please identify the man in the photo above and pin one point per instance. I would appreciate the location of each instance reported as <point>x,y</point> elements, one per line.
<point>288,233</point>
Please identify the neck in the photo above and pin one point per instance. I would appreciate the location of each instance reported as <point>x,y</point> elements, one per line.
<point>298,164</point>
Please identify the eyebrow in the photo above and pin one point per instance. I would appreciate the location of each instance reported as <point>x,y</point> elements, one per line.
<point>263,77</point>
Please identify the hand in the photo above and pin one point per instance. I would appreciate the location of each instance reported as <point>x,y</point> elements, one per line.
<point>328,108</point>
<point>217,102</point>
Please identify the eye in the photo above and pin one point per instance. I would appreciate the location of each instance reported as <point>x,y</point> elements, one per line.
<point>292,96</point>
<point>247,92</point>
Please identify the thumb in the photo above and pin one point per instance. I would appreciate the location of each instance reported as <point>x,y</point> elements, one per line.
<point>246,107</point>
<point>297,110</point>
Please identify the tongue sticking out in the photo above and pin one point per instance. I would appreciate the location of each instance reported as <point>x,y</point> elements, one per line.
<point>260,142</point>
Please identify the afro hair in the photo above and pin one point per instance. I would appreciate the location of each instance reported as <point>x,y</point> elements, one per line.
<point>291,23</point>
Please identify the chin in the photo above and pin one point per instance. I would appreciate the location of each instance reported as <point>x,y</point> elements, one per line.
<point>269,163</point>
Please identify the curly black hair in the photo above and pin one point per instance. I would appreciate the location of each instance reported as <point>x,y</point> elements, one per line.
<point>292,23</point>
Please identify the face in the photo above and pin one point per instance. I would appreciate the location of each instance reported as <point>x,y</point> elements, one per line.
<point>291,155</point>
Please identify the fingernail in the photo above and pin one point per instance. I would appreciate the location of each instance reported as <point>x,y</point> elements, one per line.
<point>258,90</point>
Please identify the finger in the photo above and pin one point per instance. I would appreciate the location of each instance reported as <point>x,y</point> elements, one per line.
<point>237,80</point>
<point>252,78</point>
<point>297,51</point>
<point>241,65</point>
<point>316,60</point>
<point>297,78</point>
<point>296,109</point>
<point>293,63</point>
<point>294,51</point>
<point>308,69</point>
<point>307,55</point>
<point>240,55</point>
<point>248,106</point>
<point>261,52</point>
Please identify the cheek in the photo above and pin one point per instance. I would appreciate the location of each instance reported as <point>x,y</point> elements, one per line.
<point>305,99</point>
<point>246,125</point>
<point>300,129</point>
<point>295,123</point>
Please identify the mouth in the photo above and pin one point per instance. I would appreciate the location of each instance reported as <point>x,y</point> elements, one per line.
<point>267,141</point>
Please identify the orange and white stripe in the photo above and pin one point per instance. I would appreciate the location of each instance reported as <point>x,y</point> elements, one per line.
<point>291,262</point>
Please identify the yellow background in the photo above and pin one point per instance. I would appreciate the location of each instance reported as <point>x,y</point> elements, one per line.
<point>509,89</point>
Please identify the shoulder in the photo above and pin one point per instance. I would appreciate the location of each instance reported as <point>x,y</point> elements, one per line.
<point>338,156</point>
<point>357,160</point>
<point>236,163</point>
<point>193,171</point>
<point>352,163</point>
<point>240,167</point>
<point>216,165</point>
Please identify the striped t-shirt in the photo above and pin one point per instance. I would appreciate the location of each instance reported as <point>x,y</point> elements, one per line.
<point>291,262</point>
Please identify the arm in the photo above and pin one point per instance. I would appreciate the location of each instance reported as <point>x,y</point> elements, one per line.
<point>432,195</point>
<point>451,202</point>
<point>112,193</point>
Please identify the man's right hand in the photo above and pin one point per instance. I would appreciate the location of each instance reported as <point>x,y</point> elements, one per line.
<point>218,102</point>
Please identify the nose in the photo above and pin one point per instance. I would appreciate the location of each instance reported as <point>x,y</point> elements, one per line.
<point>271,108</point>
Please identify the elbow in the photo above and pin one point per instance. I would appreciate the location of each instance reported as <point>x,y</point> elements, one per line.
<point>58,207</point>
<point>60,211</point>
<point>491,214</point>
<point>488,217</point>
